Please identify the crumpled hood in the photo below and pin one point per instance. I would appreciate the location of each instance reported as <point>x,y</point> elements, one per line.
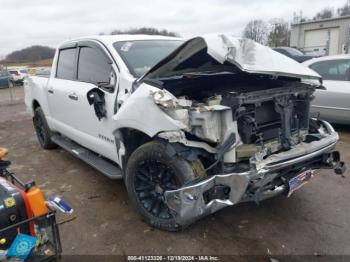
<point>245,54</point>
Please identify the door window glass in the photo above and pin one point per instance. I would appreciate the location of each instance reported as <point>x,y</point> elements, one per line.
<point>66,64</point>
<point>93,66</point>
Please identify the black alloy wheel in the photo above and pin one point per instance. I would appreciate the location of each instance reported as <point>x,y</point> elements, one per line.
<point>151,170</point>
<point>153,178</point>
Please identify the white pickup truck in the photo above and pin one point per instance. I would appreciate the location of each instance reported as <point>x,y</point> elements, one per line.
<point>191,126</point>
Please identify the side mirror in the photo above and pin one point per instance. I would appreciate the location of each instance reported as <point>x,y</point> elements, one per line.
<point>96,97</point>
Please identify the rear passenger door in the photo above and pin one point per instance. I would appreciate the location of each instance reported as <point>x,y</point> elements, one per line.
<point>60,86</point>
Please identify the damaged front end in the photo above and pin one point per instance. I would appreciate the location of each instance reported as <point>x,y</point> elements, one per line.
<point>262,180</point>
<point>243,110</point>
<point>257,151</point>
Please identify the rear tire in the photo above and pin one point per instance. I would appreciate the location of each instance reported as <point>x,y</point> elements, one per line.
<point>42,130</point>
<point>150,171</point>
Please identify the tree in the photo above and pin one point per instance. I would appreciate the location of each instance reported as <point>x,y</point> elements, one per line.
<point>324,14</point>
<point>279,34</point>
<point>345,9</point>
<point>30,54</point>
<point>256,30</point>
<point>145,31</point>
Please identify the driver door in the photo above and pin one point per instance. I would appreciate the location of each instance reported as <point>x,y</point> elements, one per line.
<point>95,71</point>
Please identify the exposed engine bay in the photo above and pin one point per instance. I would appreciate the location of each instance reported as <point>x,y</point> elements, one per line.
<point>256,132</point>
<point>264,115</point>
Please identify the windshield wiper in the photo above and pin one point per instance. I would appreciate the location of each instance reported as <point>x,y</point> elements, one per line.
<point>194,75</point>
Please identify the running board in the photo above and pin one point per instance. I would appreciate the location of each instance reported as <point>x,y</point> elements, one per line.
<point>104,166</point>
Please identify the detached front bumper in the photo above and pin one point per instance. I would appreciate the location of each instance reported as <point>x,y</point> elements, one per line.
<point>189,203</point>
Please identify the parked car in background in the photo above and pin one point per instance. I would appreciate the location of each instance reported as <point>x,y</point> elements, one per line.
<point>332,103</point>
<point>5,79</point>
<point>315,52</point>
<point>19,74</point>
<point>45,71</point>
<point>293,53</point>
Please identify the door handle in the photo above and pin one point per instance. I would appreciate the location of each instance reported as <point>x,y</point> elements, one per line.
<point>73,96</point>
<point>50,91</point>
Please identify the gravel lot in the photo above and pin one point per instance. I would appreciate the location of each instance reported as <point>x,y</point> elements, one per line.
<point>315,220</point>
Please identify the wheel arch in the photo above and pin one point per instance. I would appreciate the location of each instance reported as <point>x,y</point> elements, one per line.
<point>129,139</point>
<point>35,104</point>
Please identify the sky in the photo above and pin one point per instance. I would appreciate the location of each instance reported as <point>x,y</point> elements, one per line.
<point>49,22</point>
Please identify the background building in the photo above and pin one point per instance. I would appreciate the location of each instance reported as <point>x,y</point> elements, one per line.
<point>324,37</point>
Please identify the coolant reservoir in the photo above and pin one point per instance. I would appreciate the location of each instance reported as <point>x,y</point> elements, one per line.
<point>37,201</point>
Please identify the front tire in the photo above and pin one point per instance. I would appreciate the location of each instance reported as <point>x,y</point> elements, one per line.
<point>150,171</point>
<point>42,130</point>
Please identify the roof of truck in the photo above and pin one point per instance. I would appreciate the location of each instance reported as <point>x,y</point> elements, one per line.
<point>109,39</point>
<point>245,54</point>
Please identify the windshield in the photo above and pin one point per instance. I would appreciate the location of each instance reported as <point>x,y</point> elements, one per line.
<point>294,52</point>
<point>140,56</point>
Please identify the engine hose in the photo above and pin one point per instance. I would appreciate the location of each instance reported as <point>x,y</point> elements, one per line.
<point>223,149</point>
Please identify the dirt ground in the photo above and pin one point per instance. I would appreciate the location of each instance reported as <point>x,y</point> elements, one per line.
<point>315,220</point>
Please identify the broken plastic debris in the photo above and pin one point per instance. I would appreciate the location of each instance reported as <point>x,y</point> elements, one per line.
<point>59,204</point>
